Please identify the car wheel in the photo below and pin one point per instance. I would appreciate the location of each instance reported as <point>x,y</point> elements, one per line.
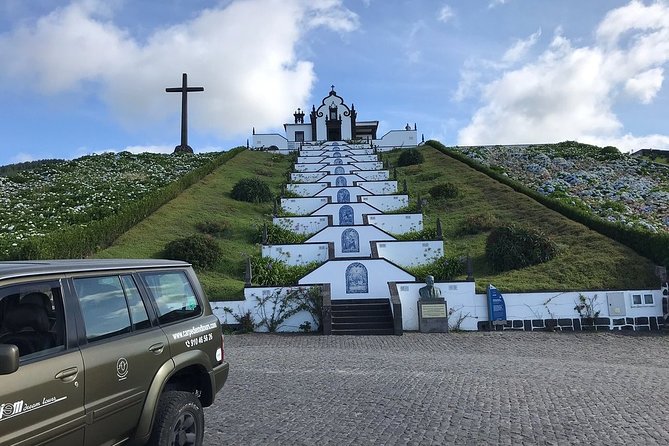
<point>179,420</point>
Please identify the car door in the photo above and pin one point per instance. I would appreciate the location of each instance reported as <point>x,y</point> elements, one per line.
<point>122,354</point>
<point>41,402</point>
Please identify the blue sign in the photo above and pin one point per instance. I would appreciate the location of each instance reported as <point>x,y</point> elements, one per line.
<point>496,306</point>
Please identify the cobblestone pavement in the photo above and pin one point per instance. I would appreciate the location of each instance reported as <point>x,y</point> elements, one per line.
<point>431,389</point>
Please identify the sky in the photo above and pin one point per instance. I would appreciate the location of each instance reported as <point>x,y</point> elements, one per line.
<point>88,76</point>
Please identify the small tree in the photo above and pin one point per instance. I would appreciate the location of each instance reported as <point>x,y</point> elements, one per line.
<point>477,223</point>
<point>409,157</point>
<point>274,309</point>
<point>252,190</point>
<point>510,247</point>
<point>444,190</point>
<point>199,250</point>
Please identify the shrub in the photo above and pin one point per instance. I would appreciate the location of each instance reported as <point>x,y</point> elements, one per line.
<point>424,234</point>
<point>443,268</point>
<point>270,272</point>
<point>252,190</point>
<point>277,235</point>
<point>199,250</point>
<point>477,223</point>
<point>652,245</point>
<point>444,190</point>
<point>219,228</point>
<point>510,247</point>
<point>409,157</point>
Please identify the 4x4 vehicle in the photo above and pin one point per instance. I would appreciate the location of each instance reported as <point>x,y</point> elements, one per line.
<point>106,352</point>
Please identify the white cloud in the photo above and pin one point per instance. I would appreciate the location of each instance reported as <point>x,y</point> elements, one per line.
<point>412,50</point>
<point>645,85</point>
<point>520,48</point>
<point>446,13</point>
<point>569,92</point>
<point>472,72</point>
<point>242,53</point>
<point>494,3</point>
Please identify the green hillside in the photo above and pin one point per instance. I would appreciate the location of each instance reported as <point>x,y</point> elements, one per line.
<point>209,200</point>
<point>586,260</point>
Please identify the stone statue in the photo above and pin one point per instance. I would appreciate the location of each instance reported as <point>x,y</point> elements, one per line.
<point>429,291</point>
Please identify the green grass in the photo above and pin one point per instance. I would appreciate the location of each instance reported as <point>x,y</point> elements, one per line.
<point>587,260</point>
<point>210,200</point>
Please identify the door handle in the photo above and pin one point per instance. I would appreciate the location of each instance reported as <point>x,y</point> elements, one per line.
<point>68,375</point>
<point>157,348</point>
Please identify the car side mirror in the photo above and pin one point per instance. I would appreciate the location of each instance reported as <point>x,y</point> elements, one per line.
<point>9,359</point>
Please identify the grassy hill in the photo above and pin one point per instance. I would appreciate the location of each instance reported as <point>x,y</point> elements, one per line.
<point>586,260</point>
<point>209,200</point>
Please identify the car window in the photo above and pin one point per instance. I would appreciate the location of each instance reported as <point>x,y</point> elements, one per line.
<point>173,294</point>
<point>140,319</point>
<point>32,318</point>
<point>103,306</point>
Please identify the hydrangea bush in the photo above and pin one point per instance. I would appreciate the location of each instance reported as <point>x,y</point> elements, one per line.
<point>60,195</point>
<point>615,186</point>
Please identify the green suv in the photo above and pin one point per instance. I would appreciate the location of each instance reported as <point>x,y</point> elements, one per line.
<point>106,352</point>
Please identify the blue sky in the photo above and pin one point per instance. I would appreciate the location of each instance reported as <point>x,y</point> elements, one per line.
<point>88,76</point>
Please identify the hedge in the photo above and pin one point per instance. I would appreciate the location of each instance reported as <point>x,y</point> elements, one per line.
<point>81,241</point>
<point>654,246</point>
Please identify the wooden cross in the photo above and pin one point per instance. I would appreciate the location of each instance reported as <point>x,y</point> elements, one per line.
<point>184,90</point>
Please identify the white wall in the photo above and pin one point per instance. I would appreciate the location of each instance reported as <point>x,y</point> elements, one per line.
<point>292,324</point>
<point>344,160</point>
<point>306,177</point>
<point>292,128</point>
<point>332,153</point>
<point>459,296</point>
<point>397,138</point>
<point>373,175</point>
<point>561,304</point>
<point>303,206</point>
<point>302,225</point>
<point>462,300</point>
<point>310,159</point>
<point>359,209</point>
<point>397,223</point>
<point>297,254</point>
<point>348,168</point>
<point>269,139</point>
<point>366,235</point>
<point>366,158</point>
<point>331,192</point>
<point>305,189</point>
<point>387,203</point>
<point>309,167</point>
<point>369,165</point>
<point>379,272</point>
<point>379,187</point>
<point>332,179</point>
<point>410,253</point>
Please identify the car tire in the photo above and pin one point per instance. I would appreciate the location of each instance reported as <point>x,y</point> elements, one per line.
<point>179,420</point>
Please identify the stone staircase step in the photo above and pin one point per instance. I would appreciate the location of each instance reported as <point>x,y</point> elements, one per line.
<point>362,317</point>
<point>357,318</point>
<point>353,309</point>
<point>365,332</point>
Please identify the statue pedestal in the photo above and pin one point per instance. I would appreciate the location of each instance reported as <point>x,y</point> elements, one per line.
<point>432,315</point>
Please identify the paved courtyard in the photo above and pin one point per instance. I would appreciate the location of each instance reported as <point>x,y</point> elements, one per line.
<point>432,389</point>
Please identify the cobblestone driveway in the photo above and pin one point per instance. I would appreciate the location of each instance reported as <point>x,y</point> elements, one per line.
<point>460,388</point>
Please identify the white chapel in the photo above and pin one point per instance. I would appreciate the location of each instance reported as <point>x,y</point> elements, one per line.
<point>333,120</point>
